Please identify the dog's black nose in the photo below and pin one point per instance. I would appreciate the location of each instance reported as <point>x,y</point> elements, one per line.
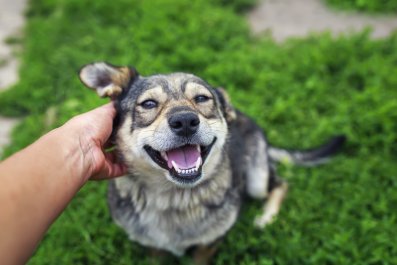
<point>184,124</point>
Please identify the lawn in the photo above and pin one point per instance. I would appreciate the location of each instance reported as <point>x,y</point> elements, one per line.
<point>369,6</point>
<point>301,92</point>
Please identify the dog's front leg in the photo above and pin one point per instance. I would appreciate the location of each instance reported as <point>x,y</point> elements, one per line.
<point>203,254</point>
<point>272,205</point>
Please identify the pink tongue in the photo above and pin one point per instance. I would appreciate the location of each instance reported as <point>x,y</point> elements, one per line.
<point>185,157</point>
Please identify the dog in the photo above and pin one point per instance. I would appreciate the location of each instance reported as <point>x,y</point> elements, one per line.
<point>192,157</point>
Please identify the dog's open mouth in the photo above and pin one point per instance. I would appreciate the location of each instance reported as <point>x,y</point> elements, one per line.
<point>184,163</point>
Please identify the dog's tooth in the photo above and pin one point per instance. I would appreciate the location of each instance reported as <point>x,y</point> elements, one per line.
<point>175,166</point>
<point>164,155</point>
<point>198,163</point>
<point>198,148</point>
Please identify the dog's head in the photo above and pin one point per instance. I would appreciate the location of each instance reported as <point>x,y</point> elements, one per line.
<point>171,128</point>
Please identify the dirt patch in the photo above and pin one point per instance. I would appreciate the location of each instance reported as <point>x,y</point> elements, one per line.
<point>298,18</point>
<point>11,23</point>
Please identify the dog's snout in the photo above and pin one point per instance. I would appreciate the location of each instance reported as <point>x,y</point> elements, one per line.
<point>184,124</point>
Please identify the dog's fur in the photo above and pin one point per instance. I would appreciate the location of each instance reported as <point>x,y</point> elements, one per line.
<point>163,209</point>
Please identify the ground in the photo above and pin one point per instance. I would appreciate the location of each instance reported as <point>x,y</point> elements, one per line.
<point>301,90</point>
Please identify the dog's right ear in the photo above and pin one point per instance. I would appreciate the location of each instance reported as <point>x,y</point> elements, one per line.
<point>107,80</point>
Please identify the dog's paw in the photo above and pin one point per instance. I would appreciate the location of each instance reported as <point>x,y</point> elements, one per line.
<point>263,220</point>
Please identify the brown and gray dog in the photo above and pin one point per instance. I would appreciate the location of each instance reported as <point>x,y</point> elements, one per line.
<point>191,158</point>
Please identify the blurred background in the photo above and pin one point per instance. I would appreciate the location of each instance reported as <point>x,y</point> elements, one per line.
<point>303,69</point>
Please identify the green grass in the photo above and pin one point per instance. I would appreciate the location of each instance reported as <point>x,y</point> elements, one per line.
<point>301,92</point>
<point>371,6</point>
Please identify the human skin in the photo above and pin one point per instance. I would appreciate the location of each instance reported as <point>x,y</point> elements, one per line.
<point>37,183</point>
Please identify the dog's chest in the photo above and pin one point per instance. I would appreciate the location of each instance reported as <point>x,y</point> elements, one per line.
<point>174,221</point>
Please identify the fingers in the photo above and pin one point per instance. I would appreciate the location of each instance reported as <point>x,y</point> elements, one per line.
<point>95,125</point>
<point>111,168</point>
<point>116,168</point>
<point>107,109</point>
<point>101,121</point>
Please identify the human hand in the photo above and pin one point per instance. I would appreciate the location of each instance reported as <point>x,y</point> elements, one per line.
<point>92,130</point>
<point>39,181</point>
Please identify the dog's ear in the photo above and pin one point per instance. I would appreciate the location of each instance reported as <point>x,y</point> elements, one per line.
<point>226,106</point>
<point>107,80</point>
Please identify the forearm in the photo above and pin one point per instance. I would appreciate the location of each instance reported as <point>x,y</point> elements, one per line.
<point>36,185</point>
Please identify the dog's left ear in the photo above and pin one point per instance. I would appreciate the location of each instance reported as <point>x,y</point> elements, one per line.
<point>107,80</point>
<point>226,106</point>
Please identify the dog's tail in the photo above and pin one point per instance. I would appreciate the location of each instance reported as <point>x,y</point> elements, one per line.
<point>310,157</point>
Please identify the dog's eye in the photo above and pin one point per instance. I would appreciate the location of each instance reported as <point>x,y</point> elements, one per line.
<point>201,98</point>
<point>149,104</point>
